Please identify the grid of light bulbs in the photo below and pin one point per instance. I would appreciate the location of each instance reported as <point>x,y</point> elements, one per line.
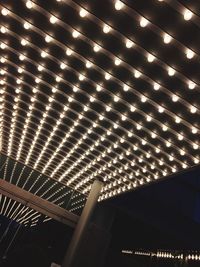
<point>73,169</point>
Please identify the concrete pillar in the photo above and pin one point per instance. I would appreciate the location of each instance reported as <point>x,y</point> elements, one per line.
<point>82,225</point>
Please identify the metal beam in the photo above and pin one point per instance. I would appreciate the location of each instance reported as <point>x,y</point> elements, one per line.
<point>41,205</point>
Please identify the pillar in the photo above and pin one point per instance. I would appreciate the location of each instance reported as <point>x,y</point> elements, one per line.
<point>82,225</point>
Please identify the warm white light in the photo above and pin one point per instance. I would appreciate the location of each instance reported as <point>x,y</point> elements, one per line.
<point>24,42</point>
<point>171,71</point>
<point>96,48</point>
<point>150,57</point>
<point>119,5</point>
<point>53,19</point>
<point>156,86</point>
<point>27,25</point>
<point>83,13</point>
<point>167,38</point>
<point>4,11</point>
<point>106,28</point>
<point>175,98</point>
<point>189,53</point>
<point>48,38</point>
<point>107,76</point>
<point>88,64</point>
<point>143,22</point>
<point>193,109</point>
<point>69,52</point>
<point>75,34</point>
<point>191,85</point>
<point>43,54</point>
<point>129,43</point>
<point>126,87</point>
<point>62,66</point>
<point>3,29</point>
<point>187,14</point>
<point>137,74</point>
<point>29,4</point>
<point>117,61</point>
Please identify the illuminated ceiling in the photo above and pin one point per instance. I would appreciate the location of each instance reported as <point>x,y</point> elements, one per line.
<point>100,89</point>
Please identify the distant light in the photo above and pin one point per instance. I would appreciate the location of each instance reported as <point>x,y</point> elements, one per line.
<point>119,5</point>
<point>143,22</point>
<point>156,86</point>
<point>27,25</point>
<point>137,74</point>
<point>175,98</point>
<point>187,14</point>
<point>117,61</point>
<point>167,38</point>
<point>193,109</point>
<point>48,38</point>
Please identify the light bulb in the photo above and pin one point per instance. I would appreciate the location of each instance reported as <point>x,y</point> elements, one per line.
<point>29,4</point>
<point>129,43</point>
<point>27,25</point>
<point>143,22</point>
<point>175,98</point>
<point>48,38</point>
<point>106,28</point>
<point>119,5</point>
<point>96,48</point>
<point>193,109</point>
<point>191,85</point>
<point>167,38</point>
<point>3,29</point>
<point>171,71</point>
<point>137,74</point>
<point>69,52</point>
<point>75,34</point>
<point>189,53</point>
<point>53,19</point>
<point>88,64</point>
<point>117,61</point>
<point>83,13</point>
<point>150,58</point>
<point>156,86</point>
<point>187,14</point>
<point>4,11</point>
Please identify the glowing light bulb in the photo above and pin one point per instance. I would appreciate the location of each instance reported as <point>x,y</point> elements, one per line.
<point>53,19</point>
<point>107,76</point>
<point>167,38</point>
<point>187,14</point>
<point>48,38</point>
<point>4,11</point>
<point>189,53</point>
<point>126,87</point>
<point>117,61</point>
<point>88,64</point>
<point>137,74</point>
<point>156,86</point>
<point>129,43</point>
<point>69,52</point>
<point>171,71</point>
<point>119,5</point>
<point>175,98</point>
<point>29,4</point>
<point>193,109</point>
<point>75,34</point>
<point>150,58</point>
<point>24,42</point>
<point>83,13</point>
<point>3,29</point>
<point>106,28</point>
<point>143,22</point>
<point>191,85</point>
<point>27,25</point>
<point>96,48</point>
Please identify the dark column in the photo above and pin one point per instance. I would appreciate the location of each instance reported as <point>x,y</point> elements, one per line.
<point>82,225</point>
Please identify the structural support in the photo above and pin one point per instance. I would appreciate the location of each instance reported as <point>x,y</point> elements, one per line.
<point>41,205</point>
<point>82,225</point>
